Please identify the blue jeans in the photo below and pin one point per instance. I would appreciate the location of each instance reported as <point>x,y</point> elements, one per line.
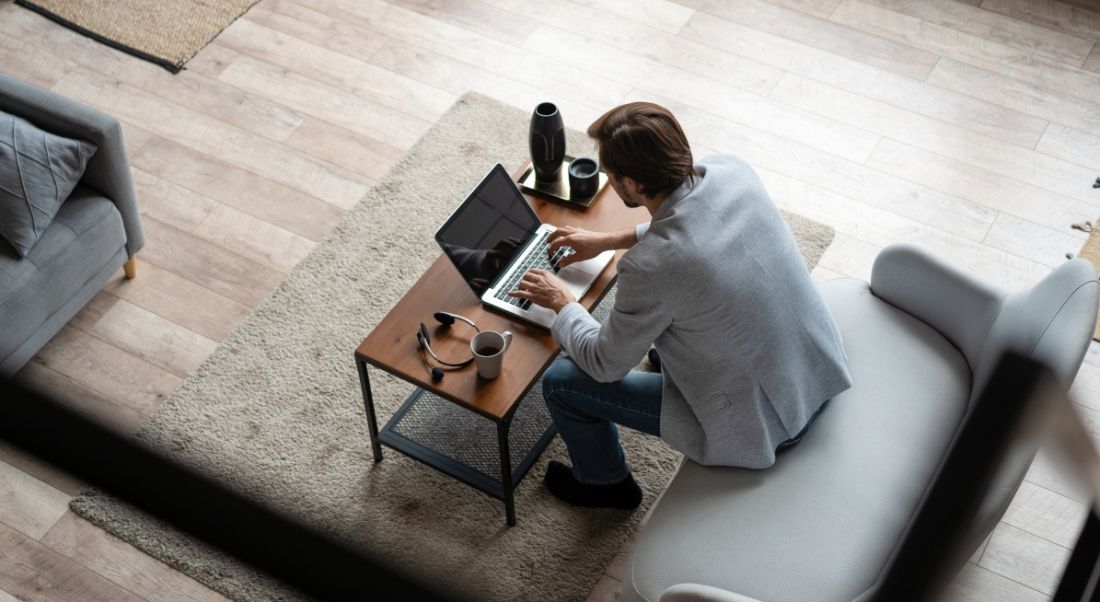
<point>586,412</point>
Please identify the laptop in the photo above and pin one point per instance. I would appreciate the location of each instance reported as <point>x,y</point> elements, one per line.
<point>494,237</point>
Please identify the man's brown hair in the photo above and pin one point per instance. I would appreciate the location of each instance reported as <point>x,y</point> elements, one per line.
<point>643,141</point>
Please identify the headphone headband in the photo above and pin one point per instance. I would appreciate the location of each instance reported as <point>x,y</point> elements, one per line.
<point>424,341</point>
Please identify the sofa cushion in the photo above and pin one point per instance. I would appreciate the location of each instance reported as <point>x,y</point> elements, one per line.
<point>822,522</point>
<point>38,170</point>
<point>86,232</point>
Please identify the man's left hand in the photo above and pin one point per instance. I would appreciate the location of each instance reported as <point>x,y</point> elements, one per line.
<point>543,288</point>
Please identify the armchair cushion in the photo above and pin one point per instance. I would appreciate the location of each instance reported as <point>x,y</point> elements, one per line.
<point>108,171</point>
<point>85,238</point>
<point>38,171</point>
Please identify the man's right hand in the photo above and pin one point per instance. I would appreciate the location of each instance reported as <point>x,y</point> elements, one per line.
<point>585,244</point>
<point>588,244</point>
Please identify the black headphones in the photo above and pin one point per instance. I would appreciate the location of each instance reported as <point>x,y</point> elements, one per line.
<point>422,338</point>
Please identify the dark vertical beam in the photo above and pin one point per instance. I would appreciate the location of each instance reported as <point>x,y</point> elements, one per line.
<point>317,565</point>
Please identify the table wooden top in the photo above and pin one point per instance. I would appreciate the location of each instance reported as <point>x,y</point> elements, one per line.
<point>391,345</point>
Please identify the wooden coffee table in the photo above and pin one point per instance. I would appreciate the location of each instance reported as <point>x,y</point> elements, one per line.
<point>391,346</point>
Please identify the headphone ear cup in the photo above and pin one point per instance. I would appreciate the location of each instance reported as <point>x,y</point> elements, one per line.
<point>444,318</point>
<point>437,374</point>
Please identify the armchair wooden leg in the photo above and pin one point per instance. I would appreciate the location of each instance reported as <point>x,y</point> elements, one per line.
<point>130,267</point>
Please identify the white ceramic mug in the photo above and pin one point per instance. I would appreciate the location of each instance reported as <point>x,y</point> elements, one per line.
<point>488,348</point>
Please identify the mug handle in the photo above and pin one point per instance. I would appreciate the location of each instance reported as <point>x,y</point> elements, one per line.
<point>507,335</point>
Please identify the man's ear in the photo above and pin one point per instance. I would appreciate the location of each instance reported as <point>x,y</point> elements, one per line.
<point>633,186</point>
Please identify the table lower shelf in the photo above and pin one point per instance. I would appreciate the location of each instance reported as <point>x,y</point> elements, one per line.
<point>465,445</point>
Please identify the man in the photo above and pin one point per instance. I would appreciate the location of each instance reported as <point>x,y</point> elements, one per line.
<point>747,349</point>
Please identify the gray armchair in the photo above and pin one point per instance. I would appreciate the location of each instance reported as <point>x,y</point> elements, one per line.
<point>95,232</point>
<point>922,338</point>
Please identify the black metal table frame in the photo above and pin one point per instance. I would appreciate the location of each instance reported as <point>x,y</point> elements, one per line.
<point>504,489</point>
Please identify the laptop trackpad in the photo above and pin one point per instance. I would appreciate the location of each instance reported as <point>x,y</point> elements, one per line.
<point>580,275</point>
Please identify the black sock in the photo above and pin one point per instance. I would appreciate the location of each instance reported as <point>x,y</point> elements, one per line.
<point>559,480</point>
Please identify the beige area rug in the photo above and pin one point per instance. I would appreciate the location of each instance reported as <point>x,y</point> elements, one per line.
<point>1091,252</point>
<point>165,32</point>
<point>276,411</point>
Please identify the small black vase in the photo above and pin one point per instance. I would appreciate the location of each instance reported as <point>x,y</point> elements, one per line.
<point>547,142</point>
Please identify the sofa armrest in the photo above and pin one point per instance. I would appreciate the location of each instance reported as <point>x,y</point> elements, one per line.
<point>694,592</point>
<point>108,171</point>
<point>959,306</point>
<point>1051,322</point>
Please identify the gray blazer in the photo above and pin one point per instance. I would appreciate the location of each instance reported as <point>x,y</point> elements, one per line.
<point>748,348</point>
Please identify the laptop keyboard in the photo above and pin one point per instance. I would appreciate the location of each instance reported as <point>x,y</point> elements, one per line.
<point>537,259</point>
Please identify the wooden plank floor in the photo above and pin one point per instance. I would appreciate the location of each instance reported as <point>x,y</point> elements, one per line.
<point>971,127</point>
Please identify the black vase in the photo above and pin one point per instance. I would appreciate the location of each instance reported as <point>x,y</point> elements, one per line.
<point>547,142</point>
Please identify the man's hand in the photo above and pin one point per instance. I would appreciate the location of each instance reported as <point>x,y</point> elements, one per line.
<point>585,243</point>
<point>588,244</point>
<point>543,288</point>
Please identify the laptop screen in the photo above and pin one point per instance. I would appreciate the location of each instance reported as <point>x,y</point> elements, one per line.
<point>487,230</point>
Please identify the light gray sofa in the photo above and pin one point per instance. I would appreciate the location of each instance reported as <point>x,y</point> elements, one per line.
<point>922,338</point>
<point>95,232</point>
